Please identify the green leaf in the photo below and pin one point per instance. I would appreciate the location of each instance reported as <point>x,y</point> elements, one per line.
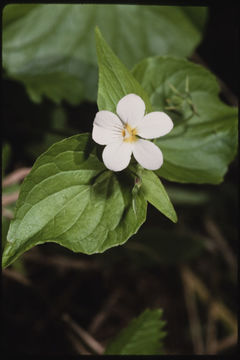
<point>14,12</point>
<point>50,48</point>
<point>54,83</point>
<point>155,193</point>
<point>143,336</point>
<point>115,80</point>
<point>70,198</point>
<point>204,139</point>
<point>197,15</point>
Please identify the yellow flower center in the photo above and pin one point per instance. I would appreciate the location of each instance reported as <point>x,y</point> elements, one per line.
<point>129,134</point>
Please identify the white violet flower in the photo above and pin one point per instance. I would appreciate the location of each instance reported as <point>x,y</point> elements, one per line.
<point>123,134</point>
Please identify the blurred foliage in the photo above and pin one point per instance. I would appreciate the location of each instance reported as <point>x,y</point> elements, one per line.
<point>51,49</point>
<point>166,247</point>
<point>143,336</point>
<point>57,131</point>
<point>187,197</point>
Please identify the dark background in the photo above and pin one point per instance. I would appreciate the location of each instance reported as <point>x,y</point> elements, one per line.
<point>220,46</point>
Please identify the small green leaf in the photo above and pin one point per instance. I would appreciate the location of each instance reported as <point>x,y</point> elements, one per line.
<point>70,198</point>
<point>115,80</point>
<point>204,139</point>
<point>143,336</point>
<point>155,193</point>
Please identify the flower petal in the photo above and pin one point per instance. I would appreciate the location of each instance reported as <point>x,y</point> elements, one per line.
<point>147,154</point>
<point>154,124</point>
<point>107,128</point>
<point>131,109</point>
<point>116,156</point>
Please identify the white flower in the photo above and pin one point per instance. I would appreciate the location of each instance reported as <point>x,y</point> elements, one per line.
<point>122,134</point>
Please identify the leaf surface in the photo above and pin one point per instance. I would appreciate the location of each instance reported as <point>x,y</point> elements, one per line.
<point>70,198</point>
<point>155,193</point>
<point>115,80</point>
<point>143,336</point>
<point>200,147</point>
<point>50,48</point>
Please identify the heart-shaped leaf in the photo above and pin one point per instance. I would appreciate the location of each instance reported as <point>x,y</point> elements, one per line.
<point>70,198</point>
